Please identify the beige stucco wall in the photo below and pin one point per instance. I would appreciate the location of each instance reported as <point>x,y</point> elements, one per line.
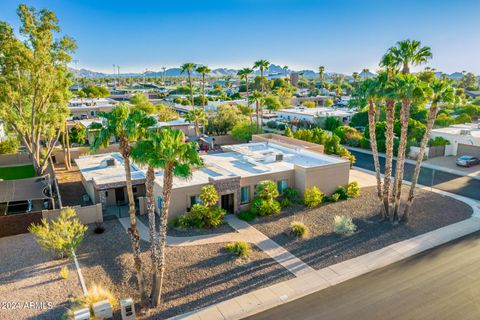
<point>86,215</point>
<point>75,153</point>
<point>327,178</point>
<point>180,199</point>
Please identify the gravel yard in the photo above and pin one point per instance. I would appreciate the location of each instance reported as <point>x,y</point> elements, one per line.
<point>323,247</point>
<point>196,276</point>
<point>29,275</point>
<point>178,232</point>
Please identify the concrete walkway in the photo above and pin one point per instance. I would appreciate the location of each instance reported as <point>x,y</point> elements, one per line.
<point>245,232</point>
<point>269,297</point>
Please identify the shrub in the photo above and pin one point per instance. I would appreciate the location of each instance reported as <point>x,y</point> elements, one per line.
<point>309,104</point>
<point>342,191</point>
<point>272,124</point>
<point>438,141</point>
<point>298,229</point>
<point>267,190</point>
<point>333,198</point>
<point>64,272</point>
<point>202,216</point>
<point>353,190</point>
<point>246,216</point>
<point>291,194</point>
<point>344,225</point>
<point>288,132</point>
<point>62,235</point>
<point>364,143</point>
<point>281,126</point>
<point>261,207</point>
<point>209,195</point>
<point>239,248</point>
<point>285,203</point>
<point>182,221</point>
<point>97,293</point>
<point>312,197</point>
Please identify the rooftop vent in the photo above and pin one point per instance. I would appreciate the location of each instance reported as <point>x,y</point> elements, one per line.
<point>110,162</point>
<point>465,132</point>
<point>279,157</point>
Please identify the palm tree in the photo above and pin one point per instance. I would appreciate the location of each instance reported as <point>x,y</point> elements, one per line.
<point>285,69</point>
<point>355,77</point>
<point>365,74</point>
<point>261,65</point>
<point>407,90</point>
<point>442,92</point>
<point>321,71</point>
<point>410,52</point>
<point>257,97</point>
<point>370,92</point>
<point>187,68</point>
<point>127,125</point>
<point>176,157</point>
<point>244,74</point>
<point>197,117</point>
<point>203,70</point>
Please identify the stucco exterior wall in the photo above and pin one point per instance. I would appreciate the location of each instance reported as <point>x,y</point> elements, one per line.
<point>326,178</point>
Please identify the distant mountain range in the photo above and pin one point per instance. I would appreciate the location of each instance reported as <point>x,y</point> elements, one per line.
<point>223,72</point>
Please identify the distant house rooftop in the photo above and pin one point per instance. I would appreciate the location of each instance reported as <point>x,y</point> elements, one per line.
<point>472,129</point>
<point>318,112</point>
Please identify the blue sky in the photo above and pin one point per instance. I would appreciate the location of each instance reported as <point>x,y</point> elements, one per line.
<point>343,35</point>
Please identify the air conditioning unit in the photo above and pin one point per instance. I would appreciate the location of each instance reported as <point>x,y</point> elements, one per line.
<point>127,308</point>
<point>102,310</point>
<point>279,157</point>
<point>465,132</point>
<point>82,314</point>
<point>110,162</point>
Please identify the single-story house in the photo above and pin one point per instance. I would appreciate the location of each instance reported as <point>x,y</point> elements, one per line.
<point>464,139</point>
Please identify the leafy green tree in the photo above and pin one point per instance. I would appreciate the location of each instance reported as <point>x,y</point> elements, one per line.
<point>92,91</point>
<point>272,103</point>
<point>141,102</point>
<point>244,131</point>
<point>197,117</point>
<point>10,145</point>
<point>331,123</point>
<point>34,82</point>
<point>225,119</point>
<point>469,81</point>
<point>463,118</point>
<point>444,120</point>
<point>128,126</point>
<point>62,235</point>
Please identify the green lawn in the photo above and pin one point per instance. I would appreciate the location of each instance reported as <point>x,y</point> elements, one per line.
<point>19,172</point>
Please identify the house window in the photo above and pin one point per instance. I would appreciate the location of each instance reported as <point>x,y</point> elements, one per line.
<point>195,200</point>
<point>245,194</point>
<point>134,189</point>
<point>159,203</point>
<point>281,186</point>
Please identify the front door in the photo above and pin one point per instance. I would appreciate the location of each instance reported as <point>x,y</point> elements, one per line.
<point>120,195</point>
<point>227,202</point>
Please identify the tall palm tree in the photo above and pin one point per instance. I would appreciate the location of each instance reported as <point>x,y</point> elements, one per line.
<point>365,74</point>
<point>203,70</point>
<point>410,52</point>
<point>188,68</point>
<point>244,74</point>
<point>407,90</point>
<point>355,77</point>
<point>261,65</point>
<point>442,92</point>
<point>370,91</point>
<point>321,75</point>
<point>177,158</point>
<point>285,69</point>
<point>197,117</point>
<point>127,125</point>
<point>257,97</point>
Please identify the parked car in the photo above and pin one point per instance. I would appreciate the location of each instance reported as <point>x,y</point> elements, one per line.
<point>467,161</point>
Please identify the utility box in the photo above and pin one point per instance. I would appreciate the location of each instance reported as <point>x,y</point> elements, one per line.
<point>128,309</point>
<point>82,314</point>
<point>102,310</point>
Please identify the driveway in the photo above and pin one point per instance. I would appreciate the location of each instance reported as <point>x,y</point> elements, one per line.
<point>443,283</point>
<point>449,164</point>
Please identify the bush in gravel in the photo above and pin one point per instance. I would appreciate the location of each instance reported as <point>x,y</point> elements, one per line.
<point>342,191</point>
<point>202,216</point>
<point>353,190</point>
<point>261,207</point>
<point>97,293</point>
<point>64,272</point>
<point>209,195</point>
<point>99,228</point>
<point>246,216</point>
<point>182,221</point>
<point>298,230</point>
<point>239,248</point>
<point>62,235</point>
<point>312,197</point>
<point>285,203</point>
<point>272,124</point>
<point>344,225</point>
<point>290,194</point>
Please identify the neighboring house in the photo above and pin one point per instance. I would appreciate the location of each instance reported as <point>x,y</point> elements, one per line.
<point>181,124</point>
<point>472,94</point>
<point>236,172</point>
<point>213,105</point>
<point>309,114</point>
<point>464,139</point>
<point>84,108</point>
<point>103,176</point>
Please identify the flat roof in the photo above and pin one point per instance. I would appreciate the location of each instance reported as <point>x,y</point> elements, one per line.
<point>24,189</point>
<point>94,168</point>
<point>457,129</point>
<point>320,111</point>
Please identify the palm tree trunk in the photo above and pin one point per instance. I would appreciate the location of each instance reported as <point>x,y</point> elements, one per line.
<point>162,241</point>
<point>191,89</point>
<point>389,135</point>
<point>373,145</point>
<point>203,98</point>
<point>150,180</point>
<point>411,195</point>
<point>258,116</point>
<point>133,231</point>
<point>401,159</point>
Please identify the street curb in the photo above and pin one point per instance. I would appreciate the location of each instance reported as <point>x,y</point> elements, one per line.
<point>269,297</point>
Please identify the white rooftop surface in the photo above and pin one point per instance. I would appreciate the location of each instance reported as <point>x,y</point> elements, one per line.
<point>177,122</point>
<point>91,100</point>
<point>87,122</point>
<point>458,128</point>
<point>320,111</point>
<point>94,167</point>
<point>251,159</point>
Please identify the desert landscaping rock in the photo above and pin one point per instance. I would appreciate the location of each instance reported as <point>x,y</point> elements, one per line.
<point>323,247</point>
<point>196,276</point>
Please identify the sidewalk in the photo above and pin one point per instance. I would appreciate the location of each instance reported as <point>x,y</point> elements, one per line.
<point>270,297</point>
<point>424,164</point>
